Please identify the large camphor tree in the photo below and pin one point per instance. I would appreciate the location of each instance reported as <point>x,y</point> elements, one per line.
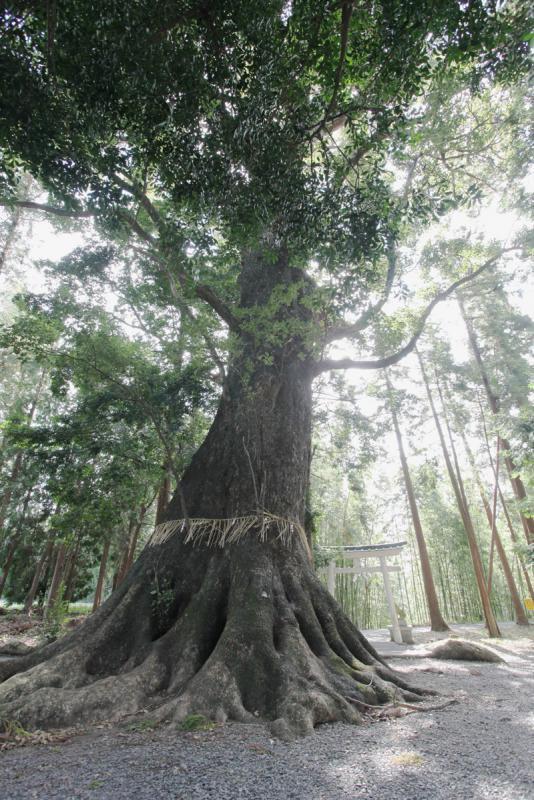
<point>240,152</point>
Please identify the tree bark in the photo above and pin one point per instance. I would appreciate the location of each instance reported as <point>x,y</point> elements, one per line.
<point>16,469</point>
<point>491,622</point>
<point>504,506</point>
<point>10,555</point>
<point>71,570</point>
<point>437,623</point>
<point>520,615</point>
<point>101,576</point>
<point>222,613</point>
<point>163,495</point>
<point>135,532</point>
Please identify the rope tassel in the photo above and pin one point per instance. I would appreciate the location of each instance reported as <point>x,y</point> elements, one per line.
<point>220,532</point>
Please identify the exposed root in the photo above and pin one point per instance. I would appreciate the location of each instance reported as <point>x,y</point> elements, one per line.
<point>259,641</point>
<point>384,711</point>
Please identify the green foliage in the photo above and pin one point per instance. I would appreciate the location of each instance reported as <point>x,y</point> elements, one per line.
<point>196,722</point>
<point>142,725</point>
<point>224,114</point>
<point>56,614</point>
<point>320,558</point>
<point>12,728</point>
<point>162,595</point>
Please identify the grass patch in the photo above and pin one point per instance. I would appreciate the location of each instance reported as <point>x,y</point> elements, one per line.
<point>142,725</point>
<point>79,610</point>
<point>12,729</point>
<point>196,722</point>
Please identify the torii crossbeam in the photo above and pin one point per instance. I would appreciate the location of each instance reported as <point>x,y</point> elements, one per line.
<point>359,553</point>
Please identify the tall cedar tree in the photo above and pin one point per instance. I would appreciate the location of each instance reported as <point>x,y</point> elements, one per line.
<point>237,143</point>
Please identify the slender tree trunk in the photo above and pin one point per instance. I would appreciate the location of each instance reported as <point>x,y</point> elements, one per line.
<point>10,555</point>
<point>491,622</point>
<point>45,556</point>
<point>19,458</point>
<point>101,576</point>
<point>16,470</point>
<point>12,547</point>
<point>494,404</point>
<point>71,570</point>
<point>129,550</point>
<point>520,615</point>
<point>57,577</point>
<point>461,485</point>
<point>133,545</point>
<point>437,623</point>
<point>163,495</point>
<point>504,507</point>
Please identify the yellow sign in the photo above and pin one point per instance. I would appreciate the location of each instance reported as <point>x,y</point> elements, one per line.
<point>529,603</point>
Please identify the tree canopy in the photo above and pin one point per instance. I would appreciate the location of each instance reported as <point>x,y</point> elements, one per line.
<point>201,127</point>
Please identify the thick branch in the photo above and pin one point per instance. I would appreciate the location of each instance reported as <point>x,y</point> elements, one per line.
<point>208,295</point>
<point>184,308</point>
<point>346,14</point>
<point>137,228</point>
<point>58,212</point>
<point>387,361</point>
<point>201,290</point>
<point>137,192</point>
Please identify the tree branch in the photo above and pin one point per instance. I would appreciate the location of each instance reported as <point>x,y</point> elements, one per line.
<point>58,212</point>
<point>208,295</point>
<point>202,291</point>
<point>210,346</point>
<point>346,15</point>
<point>345,330</point>
<point>137,228</point>
<point>387,361</point>
<point>137,192</point>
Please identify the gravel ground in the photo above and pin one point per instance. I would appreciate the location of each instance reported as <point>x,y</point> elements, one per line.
<point>478,749</point>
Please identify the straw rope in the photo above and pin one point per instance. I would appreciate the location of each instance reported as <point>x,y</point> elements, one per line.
<point>220,532</point>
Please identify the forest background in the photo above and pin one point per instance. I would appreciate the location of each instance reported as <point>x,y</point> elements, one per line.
<point>85,473</point>
<point>110,378</point>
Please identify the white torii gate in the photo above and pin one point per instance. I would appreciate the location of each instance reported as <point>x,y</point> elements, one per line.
<point>357,554</point>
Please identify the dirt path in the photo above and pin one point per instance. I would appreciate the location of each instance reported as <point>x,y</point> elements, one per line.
<point>478,749</point>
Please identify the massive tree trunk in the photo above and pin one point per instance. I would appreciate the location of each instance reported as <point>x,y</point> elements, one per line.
<point>222,614</point>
